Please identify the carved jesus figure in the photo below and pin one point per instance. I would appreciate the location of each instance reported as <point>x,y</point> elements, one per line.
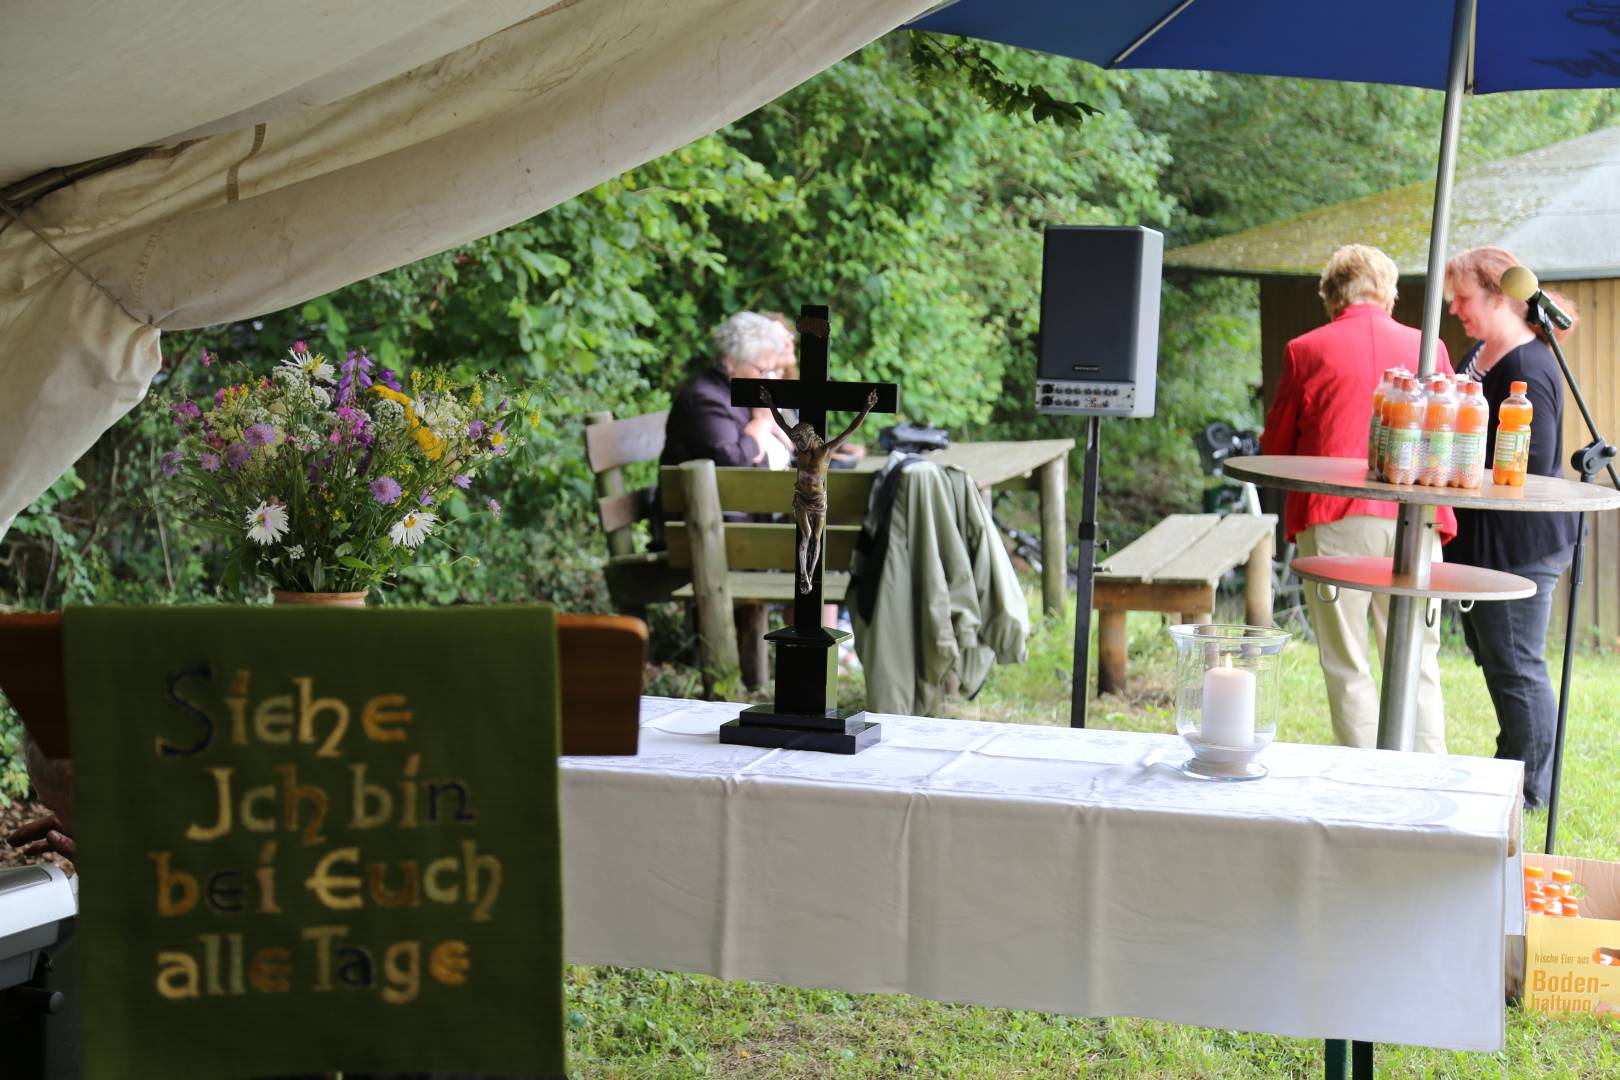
<point>812,457</point>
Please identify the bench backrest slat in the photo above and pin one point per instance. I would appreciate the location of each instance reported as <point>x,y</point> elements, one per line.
<point>764,545</point>
<point>613,444</point>
<point>766,491</point>
<point>610,445</point>
<point>624,510</point>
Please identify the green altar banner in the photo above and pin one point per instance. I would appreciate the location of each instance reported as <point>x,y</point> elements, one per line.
<point>319,839</point>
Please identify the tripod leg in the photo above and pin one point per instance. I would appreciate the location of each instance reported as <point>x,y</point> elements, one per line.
<point>1087,558</point>
<point>1576,568</point>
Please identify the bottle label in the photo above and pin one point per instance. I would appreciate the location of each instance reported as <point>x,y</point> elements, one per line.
<point>1438,451</point>
<point>1383,444</point>
<point>1512,449</point>
<point>1468,452</point>
<point>1403,448</point>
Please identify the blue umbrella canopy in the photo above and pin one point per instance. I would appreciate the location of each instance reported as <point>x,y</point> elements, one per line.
<point>1514,46</point>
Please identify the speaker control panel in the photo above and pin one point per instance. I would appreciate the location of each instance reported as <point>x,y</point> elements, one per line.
<point>1066,398</point>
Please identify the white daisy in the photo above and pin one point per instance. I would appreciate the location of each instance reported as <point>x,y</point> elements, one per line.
<point>296,551</point>
<point>412,529</point>
<point>314,367</point>
<point>267,523</point>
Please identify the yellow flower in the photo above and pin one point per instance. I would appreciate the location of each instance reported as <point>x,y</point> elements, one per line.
<point>534,419</point>
<point>439,382</point>
<point>431,444</point>
<point>497,438</point>
<point>416,381</point>
<point>477,397</point>
<point>411,422</point>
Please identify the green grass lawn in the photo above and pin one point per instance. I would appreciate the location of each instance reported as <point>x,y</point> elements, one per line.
<point>643,1023</point>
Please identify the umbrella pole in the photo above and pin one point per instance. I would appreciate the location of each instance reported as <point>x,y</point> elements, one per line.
<point>1403,643</point>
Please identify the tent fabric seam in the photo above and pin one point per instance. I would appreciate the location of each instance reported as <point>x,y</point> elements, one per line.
<point>17,217</point>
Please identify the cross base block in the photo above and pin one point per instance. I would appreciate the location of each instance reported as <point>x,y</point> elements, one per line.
<point>831,732</point>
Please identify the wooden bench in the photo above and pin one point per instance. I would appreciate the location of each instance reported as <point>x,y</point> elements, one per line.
<point>634,578</point>
<point>746,565</point>
<point>1174,568</point>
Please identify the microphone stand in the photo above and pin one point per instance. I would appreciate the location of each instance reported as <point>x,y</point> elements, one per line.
<point>1590,458</point>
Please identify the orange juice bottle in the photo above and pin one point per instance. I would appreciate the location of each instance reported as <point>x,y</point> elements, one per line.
<point>1535,880</point>
<point>1439,433</point>
<point>1512,459</point>
<point>1375,426</point>
<point>1384,403</point>
<point>1403,416</point>
<point>1468,447</point>
<point>1567,885</point>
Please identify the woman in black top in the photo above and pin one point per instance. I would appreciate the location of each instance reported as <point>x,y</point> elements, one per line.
<point>1508,638</point>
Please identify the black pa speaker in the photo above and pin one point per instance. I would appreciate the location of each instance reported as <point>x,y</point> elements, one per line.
<point>1099,320</point>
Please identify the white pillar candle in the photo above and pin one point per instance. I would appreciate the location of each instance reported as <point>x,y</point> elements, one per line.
<point>1228,717</point>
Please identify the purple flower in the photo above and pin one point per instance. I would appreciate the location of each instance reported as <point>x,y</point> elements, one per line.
<point>209,462</point>
<point>237,454</point>
<point>462,481</point>
<point>260,435</point>
<point>504,403</point>
<point>387,377</point>
<point>207,360</point>
<point>300,346</point>
<point>171,463</point>
<point>495,508</point>
<point>184,413</point>
<point>355,369</point>
<point>385,490</point>
<point>426,499</point>
<point>475,430</point>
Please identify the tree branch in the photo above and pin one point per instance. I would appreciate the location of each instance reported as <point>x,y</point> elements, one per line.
<point>933,59</point>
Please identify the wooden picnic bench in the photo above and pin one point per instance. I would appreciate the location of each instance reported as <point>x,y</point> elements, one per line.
<point>1174,567</point>
<point>739,564</point>
<point>753,552</point>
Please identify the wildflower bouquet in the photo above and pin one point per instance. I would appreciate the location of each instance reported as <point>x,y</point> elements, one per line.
<point>330,479</point>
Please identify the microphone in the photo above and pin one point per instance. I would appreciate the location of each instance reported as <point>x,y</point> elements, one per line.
<point>1520,283</point>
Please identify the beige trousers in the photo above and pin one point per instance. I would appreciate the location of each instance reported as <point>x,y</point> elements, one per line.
<point>1341,637</point>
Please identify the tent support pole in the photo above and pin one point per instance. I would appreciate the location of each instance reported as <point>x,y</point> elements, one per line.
<point>1403,645</point>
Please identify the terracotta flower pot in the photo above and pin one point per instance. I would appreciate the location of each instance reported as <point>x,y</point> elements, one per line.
<point>331,599</point>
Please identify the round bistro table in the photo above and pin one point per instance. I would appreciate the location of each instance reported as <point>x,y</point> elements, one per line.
<point>1408,577</point>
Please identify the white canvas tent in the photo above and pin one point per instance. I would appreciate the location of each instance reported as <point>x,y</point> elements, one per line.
<point>180,163</point>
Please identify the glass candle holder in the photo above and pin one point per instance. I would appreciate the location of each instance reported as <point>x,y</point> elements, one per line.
<point>1228,691</point>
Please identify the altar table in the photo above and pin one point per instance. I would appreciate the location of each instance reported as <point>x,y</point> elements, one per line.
<point>1352,894</point>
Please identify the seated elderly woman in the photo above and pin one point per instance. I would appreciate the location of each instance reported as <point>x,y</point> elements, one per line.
<point>703,423</point>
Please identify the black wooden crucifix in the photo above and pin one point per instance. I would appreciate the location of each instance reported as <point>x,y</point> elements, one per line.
<point>805,716</point>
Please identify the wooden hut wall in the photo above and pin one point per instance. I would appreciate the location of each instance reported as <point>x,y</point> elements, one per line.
<point>1289,307</point>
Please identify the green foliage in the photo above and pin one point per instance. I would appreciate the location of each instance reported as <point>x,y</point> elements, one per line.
<point>934,59</point>
<point>904,202</point>
<point>14,782</point>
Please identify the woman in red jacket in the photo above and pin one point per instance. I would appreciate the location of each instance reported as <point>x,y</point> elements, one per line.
<point>1323,408</point>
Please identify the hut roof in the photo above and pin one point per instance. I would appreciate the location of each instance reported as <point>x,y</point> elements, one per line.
<point>1557,209</point>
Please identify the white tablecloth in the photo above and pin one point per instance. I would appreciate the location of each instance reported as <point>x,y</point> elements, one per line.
<point>1354,894</point>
